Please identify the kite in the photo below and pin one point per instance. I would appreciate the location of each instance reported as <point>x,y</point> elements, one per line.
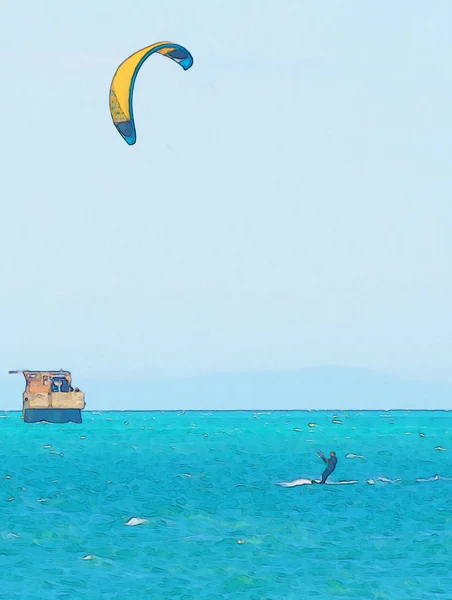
<point>121,89</point>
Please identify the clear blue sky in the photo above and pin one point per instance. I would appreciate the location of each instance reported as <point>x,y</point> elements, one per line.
<point>287,204</point>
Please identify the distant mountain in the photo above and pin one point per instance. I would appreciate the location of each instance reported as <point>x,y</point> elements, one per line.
<point>326,388</point>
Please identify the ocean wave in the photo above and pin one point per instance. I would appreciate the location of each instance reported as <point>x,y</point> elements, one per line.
<point>382,480</point>
<point>8,535</point>
<point>375,481</point>
<point>433,478</point>
<point>389,480</point>
<point>136,521</point>
<point>428,479</point>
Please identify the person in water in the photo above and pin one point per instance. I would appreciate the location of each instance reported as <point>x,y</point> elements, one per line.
<point>331,465</point>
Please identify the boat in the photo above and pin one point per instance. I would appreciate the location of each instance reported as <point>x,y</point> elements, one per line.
<point>49,396</point>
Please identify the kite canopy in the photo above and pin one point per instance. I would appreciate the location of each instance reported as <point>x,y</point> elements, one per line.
<point>121,89</point>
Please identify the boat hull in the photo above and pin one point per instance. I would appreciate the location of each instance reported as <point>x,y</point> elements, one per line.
<point>52,415</point>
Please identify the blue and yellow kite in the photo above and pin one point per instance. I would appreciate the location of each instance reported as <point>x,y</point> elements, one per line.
<point>121,89</point>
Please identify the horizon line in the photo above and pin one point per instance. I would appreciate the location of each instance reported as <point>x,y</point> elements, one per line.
<point>253,410</point>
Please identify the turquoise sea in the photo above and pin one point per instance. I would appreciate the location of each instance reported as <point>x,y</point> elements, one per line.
<point>210,521</point>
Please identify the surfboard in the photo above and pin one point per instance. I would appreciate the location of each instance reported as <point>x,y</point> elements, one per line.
<point>297,482</point>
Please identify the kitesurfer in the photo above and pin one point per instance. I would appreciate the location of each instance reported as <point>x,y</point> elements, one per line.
<point>331,465</point>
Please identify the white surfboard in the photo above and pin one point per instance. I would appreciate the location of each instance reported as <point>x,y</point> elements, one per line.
<point>297,482</point>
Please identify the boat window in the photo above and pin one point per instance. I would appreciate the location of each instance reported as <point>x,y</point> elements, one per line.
<point>59,384</point>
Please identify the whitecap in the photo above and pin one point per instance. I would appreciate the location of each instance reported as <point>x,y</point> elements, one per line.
<point>88,557</point>
<point>8,535</point>
<point>427,479</point>
<point>354,456</point>
<point>440,448</point>
<point>382,480</point>
<point>136,521</point>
